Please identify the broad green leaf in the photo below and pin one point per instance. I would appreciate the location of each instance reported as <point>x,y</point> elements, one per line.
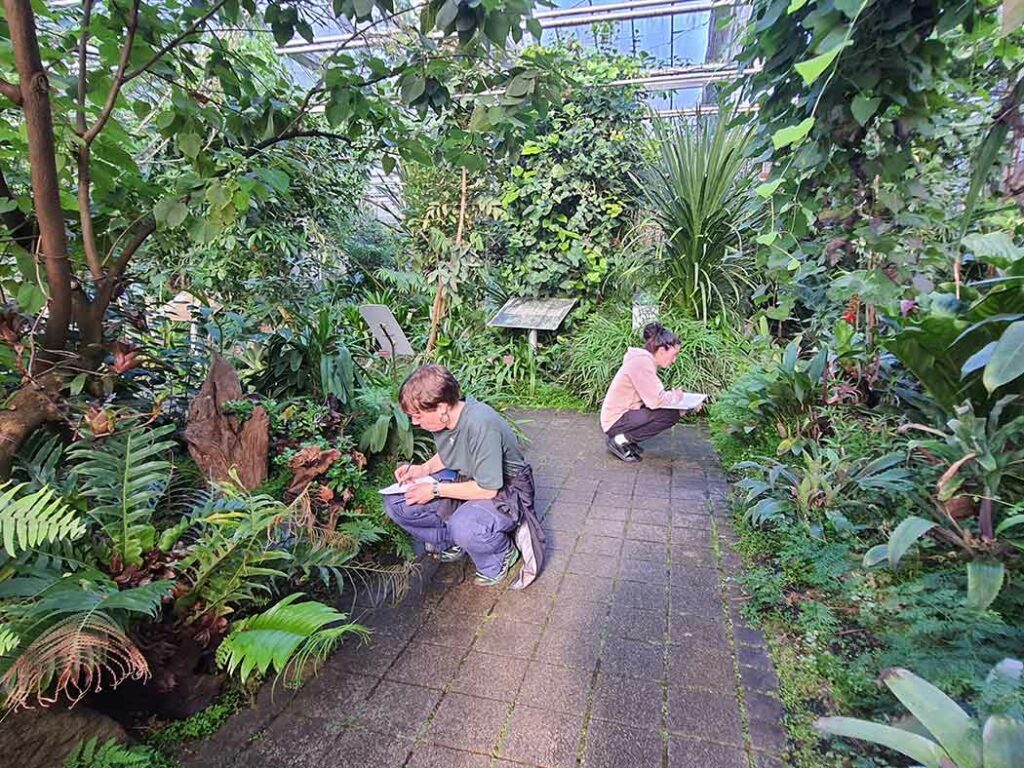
<point>907,532</point>
<point>918,748</point>
<point>170,212</point>
<point>978,360</point>
<point>812,69</point>
<point>189,144</point>
<point>794,133</point>
<point>877,554</point>
<point>850,7</point>
<point>997,247</point>
<point>863,107</point>
<point>1010,522</point>
<point>953,728</point>
<point>767,238</point>
<point>984,580</point>
<point>30,298</point>
<point>446,15</point>
<point>1007,362</point>
<point>1002,742</point>
<point>387,163</point>
<point>412,88</point>
<point>796,5</point>
<point>519,86</point>
<point>768,188</point>
<point>479,121</point>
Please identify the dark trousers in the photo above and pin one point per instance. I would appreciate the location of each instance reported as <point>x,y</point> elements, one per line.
<point>643,423</point>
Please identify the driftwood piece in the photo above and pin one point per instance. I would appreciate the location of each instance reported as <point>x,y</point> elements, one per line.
<point>220,444</point>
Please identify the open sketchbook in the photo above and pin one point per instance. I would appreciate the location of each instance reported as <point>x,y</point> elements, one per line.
<point>403,487</point>
<point>689,401</point>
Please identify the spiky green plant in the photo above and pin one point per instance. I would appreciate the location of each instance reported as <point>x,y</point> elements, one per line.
<point>695,190</point>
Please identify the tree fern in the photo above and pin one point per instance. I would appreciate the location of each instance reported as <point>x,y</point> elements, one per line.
<point>125,478</point>
<point>32,519</point>
<point>286,637</point>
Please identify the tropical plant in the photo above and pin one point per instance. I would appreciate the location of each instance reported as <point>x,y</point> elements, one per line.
<point>30,519</point>
<point>92,753</point>
<point>827,486</point>
<point>976,454</point>
<point>943,734</point>
<point>284,638</point>
<point>696,191</point>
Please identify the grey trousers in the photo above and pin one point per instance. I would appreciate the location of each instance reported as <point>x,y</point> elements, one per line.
<point>643,423</point>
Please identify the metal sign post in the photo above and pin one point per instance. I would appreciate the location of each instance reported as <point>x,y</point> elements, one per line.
<point>533,315</point>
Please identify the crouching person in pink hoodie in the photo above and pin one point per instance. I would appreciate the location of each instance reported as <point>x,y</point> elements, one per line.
<point>635,407</point>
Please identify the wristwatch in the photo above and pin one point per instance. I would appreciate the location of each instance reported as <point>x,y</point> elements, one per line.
<point>436,488</point>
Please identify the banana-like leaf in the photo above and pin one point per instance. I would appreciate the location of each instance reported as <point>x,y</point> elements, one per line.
<point>877,554</point>
<point>955,730</point>
<point>984,580</point>
<point>1003,742</point>
<point>907,532</point>
<point>1008,523</point>
<point>925,751</point>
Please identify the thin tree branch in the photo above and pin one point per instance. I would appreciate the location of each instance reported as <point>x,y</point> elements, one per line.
<point>11,91</point>
<point>83,65</point>
<point>92,257</point>
<point>293,135</point>
<point>175,42</point>
<point>146,228</point>
<point>119,79</point>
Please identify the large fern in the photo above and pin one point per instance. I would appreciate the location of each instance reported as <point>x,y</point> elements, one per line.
<point>93,753</point>
<point>284,638</point>
<point>71,635</point>
<point>28,520</point>
<point>124,476</point>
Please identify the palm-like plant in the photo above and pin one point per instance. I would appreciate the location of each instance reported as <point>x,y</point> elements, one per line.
<point>947,737</point>
<point>695,190</point>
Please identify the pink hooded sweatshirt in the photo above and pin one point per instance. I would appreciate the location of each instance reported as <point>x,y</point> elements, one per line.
<point>635,385</point>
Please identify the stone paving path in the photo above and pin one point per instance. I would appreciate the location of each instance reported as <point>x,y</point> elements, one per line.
<point>628,651</point>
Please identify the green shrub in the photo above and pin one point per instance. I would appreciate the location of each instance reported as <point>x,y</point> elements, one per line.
<point>709,360</point>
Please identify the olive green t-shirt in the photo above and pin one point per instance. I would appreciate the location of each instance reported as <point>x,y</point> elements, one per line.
<point>481,446</point>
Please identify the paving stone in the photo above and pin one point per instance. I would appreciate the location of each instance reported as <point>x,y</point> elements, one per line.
<point>450,629</point>
<point>433,756</point>
<point>700,603</point>
<point>610,745</point>
<point>560,689</point>
<point>608,546</point>
<point>591,589</point>
<point>364,749</point>
<point>649,572</point>
<point>707,667</point>
<point>491,676</point>
<point>759,679</point>
<point>768,736</point>
<point>764,760</point>
<point>470,598</point>
<point>686,753</point>
<point>633,658</point>
<point>704,715</point>
<point>605,512</point>
<point>303,748</point>
<point>636,623</point>
<point>371,658</point>
<point>400,623</point>
<point>335,689</point>
<point>637,595</point>
<point>692,553</point>
<point>509,638</point>
<point>567,649</point>
<point>628,701</point>
<point>611,499</point>
<point>644,550</point>
<point>526,605</point>
<point>762,707</point>
<point>601,526</point>
<point>593,565</point>
<point>641,532</point>
<point>752,656</point>
<point>423,664</point>
<point>689,506</point>
<point>542,737</point>
<point>699,522</point>
<point>399,709</point>
<point>698,631</point>
<point>585,619</point>
<point>468,722</point>
<point>652,502</point>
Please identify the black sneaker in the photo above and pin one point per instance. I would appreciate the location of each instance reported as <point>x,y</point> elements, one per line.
<point>451,555</point>
<point>621,452</point>
<point>635,448</point>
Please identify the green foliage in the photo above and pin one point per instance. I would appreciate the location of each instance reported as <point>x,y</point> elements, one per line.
<point>709,358</point>
<point>288,636</point>
<point>27,520</point>
<point>168,738</point>
<point>111,754</point>
<point>566,205</point>
<point>697,191</point>
<point>954,737</point>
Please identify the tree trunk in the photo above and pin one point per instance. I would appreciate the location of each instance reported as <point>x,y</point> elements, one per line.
<point>52,245</point>
<point>31,406</point>
<point>437,311</point>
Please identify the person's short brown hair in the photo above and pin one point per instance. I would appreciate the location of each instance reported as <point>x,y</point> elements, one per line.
<point>427,387</point>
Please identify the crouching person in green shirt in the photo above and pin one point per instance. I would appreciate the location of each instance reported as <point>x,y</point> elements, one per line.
<point>481,498</point>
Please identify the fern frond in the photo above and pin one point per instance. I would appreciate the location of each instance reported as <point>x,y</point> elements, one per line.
<point>71,658</point>
<point>109,754</point>
<point>39,460</point>
<point>286,637</point>
<point>35,518</point>
<point>125,478</point>
<point>9,640</point>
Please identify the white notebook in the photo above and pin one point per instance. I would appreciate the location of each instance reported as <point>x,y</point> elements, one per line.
<point>403,487</point>
<point>689,401</point>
